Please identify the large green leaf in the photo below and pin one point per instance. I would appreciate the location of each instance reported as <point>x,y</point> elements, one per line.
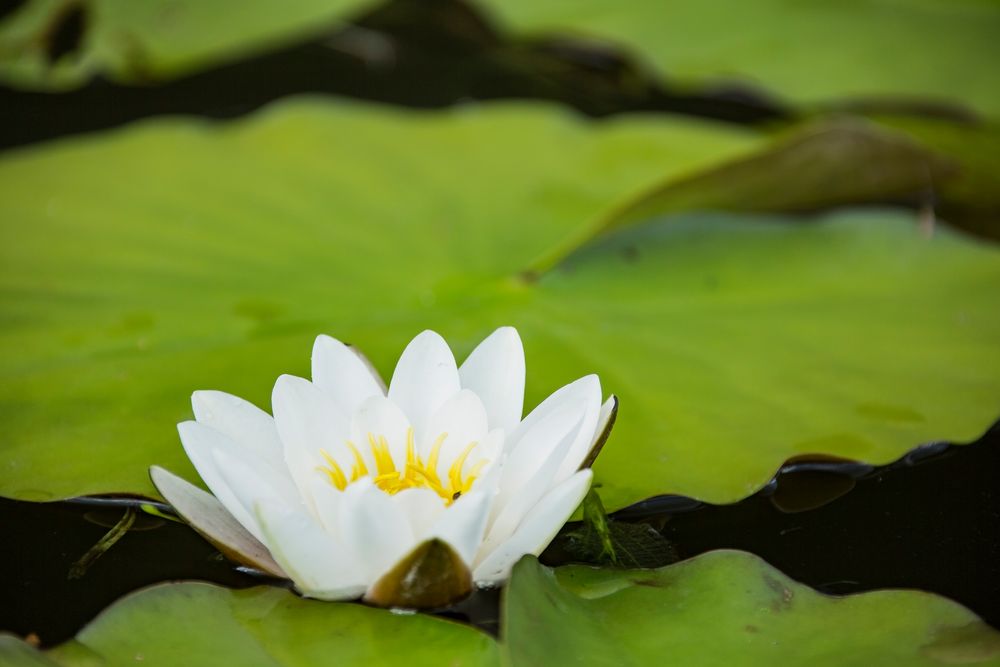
<point>143,264</point>
<point>807,51</point>
<point>15,652</point>
<point>972,197</point>
<point>195,624</point>
<point>726,608</point>
<point>147,40</point>
<point>720,608</point>
<point>822,165</point>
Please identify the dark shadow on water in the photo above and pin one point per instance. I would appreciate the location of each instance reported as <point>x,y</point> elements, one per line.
<point>43,541</point>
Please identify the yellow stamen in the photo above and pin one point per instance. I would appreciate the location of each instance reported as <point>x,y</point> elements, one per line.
<point>334,471</point>
<point>432,458</point>
<point>360,469</point>
<point>380,450</point>
<point>411,448</point>
<point>455,472</point>
<point>415,473</point>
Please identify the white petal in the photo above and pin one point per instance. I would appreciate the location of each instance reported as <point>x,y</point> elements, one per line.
<point>463,523</point>
<point>379,417</point>
<point>326,502</point>
<point>320,566</point>
<point>425,377</point>
<point>203,512</point>
<point>243,422</point>
<point>374,527</point>
<point>537,529</point>
<point>308,421</point>
<point>199,442</point>
<point>491,450</point>
<point>488,477</point>
<point>495,371</point>
<point>338,370</point>
<point>585,440</point>
<point>371,368</point>
<point>518,495</point>
<point>544,444</point>
<point>249,485</point>
<point>586,390</point>
<point>463,419</point>
<point>421,507</point>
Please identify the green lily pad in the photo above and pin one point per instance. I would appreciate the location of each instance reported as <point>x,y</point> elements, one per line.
<point>972,197</point>
<point>140,265</point>
<point>833,162</point>
<point>203,624</point>
<point>15,652</point>
<point>723,608</point>
<point>805,51</point>
<point>149,40</point>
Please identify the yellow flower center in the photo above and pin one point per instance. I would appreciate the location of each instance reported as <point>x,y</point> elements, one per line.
<point>415,474</point>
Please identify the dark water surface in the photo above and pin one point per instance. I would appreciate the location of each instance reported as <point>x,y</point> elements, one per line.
<point>930,521</point>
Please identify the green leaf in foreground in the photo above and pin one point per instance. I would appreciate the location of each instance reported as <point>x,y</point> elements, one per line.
<point>195,624</point>
<point>723,608</point>
<point>15,652</point>
<point>140,265</point>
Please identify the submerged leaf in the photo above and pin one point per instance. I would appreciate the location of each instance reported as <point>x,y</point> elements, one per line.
<point>595,521</point>
<point>80,567</point>
<point>600,540</point>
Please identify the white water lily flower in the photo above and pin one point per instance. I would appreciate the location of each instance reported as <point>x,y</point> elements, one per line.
<point>348,479</point>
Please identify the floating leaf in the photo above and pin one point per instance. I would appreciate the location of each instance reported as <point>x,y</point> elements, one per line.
<point>829,164</point>
<point>728,607</point>
<point>195,624</point>
<point>15,652</point>
<point>806,51</point>
<point>733,342</point>
<point>63,43</point>
<point>971,198</point>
